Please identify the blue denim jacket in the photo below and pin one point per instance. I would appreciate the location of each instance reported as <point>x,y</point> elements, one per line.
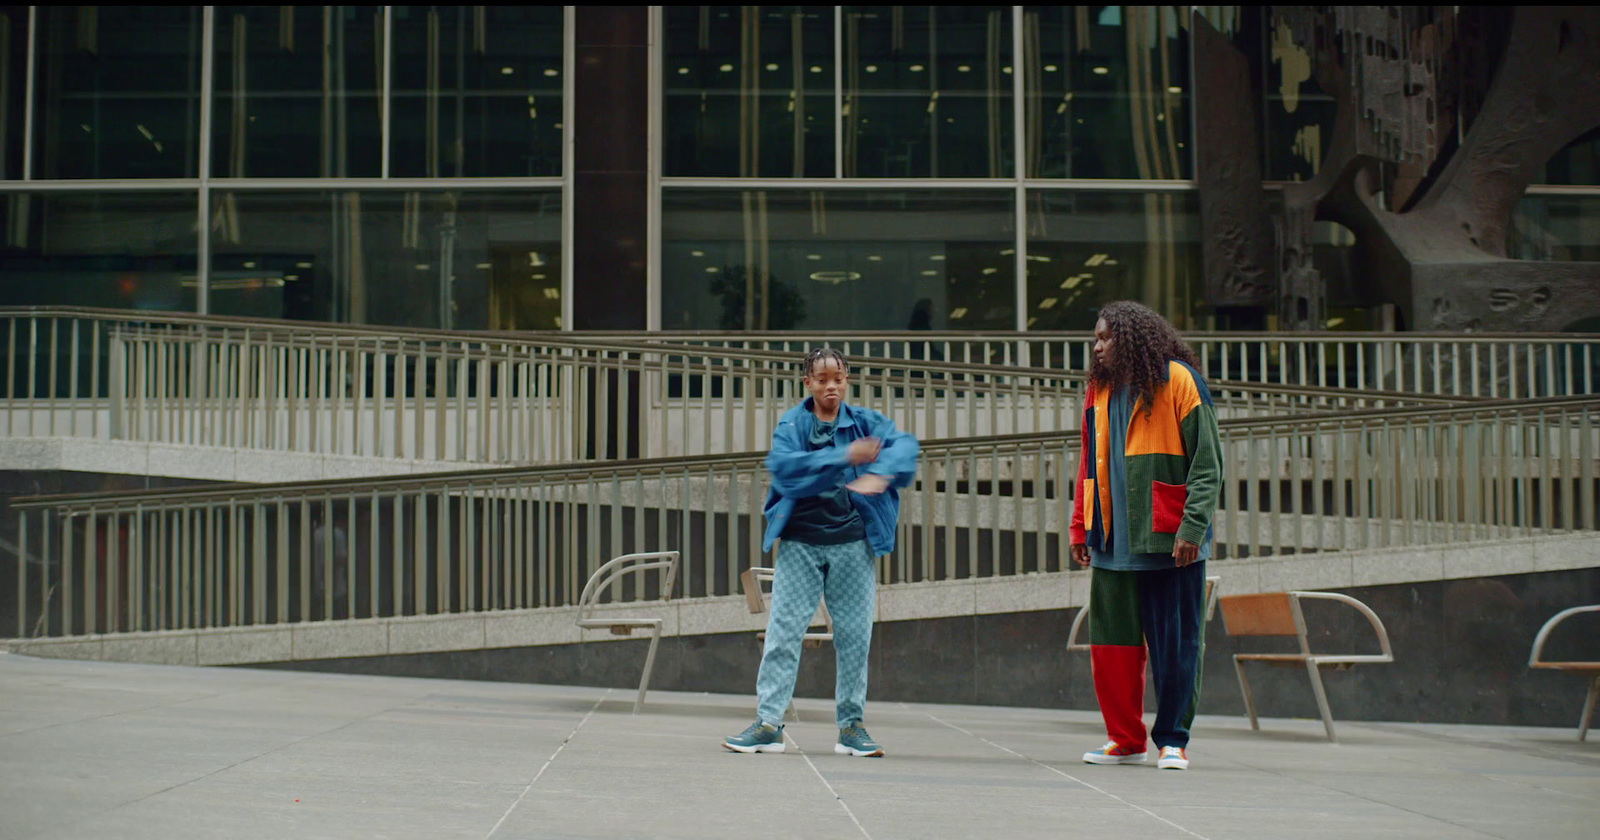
<point>797,473</point>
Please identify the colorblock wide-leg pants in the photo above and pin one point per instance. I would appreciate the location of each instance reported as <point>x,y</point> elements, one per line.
<point>848,576</point>
<point>1161,608</point>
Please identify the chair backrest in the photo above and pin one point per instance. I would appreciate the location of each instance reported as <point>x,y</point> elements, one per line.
<point>1535,659</point>
<point>1264,614</point>
<point>628,564</point>
<point>1279,614</point>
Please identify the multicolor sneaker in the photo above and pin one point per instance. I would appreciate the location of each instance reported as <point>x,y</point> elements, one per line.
<point>759,738</point>
<point>854,740</point>
<point>1114,753</point>
<point>1173,758</point>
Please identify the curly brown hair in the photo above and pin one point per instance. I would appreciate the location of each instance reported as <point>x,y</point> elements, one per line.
<point>1142,343</point>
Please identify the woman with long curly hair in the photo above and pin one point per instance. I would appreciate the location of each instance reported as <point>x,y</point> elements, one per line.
<point>1148,482</point>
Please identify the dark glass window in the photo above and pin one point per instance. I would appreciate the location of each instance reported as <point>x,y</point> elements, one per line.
<point>1555,227</point>
<point>132,250</point>
<point>838,260</point>
<point>927,92</point>
<point>118,91</point>
<point>297,91</point>
<point>749,91</point>
<point>1086,249</point>
<point>1110,92</point>
<point>439,259</point>
<point>477,91</point>
<point>13,88</point>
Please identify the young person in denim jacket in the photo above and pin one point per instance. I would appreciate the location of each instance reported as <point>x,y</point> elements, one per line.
<point>836,470</point>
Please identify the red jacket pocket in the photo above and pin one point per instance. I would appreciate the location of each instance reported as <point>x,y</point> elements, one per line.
<point>1166,506</point>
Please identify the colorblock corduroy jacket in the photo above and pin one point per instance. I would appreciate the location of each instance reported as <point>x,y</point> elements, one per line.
<point>1174,468</point>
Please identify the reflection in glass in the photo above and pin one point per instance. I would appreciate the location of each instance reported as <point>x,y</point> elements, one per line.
<point>111,250</point>
<point>846,259</point>
<point>927,92</point>
<point>1555,227</point>
<point>448,260</point>
<point>1577,164</point>
<point>297,91</point>
<point>749,91</point>
<point>1297,115</point>
<point>118,91</point>
<point>1086,249</point>
<point>13,88</point>
<point>477,91</point>
<point>1110,93</point>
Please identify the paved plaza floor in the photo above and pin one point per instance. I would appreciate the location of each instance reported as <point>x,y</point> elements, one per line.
<point>104,750</point>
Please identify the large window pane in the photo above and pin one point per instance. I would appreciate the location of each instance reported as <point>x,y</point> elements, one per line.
<point>1086,249</point>
<point>1577,164</point>
<point>118,91</point>
<point>13,88</point>
<point>113,250</point>
<point>928,92</point>
<point>1555,227</point>
<point>841,259</point>
<point>749,91</point>
<point>1111,92</point>
<point>297,91</point>
<point>477,91</point>
<point>451,260</point>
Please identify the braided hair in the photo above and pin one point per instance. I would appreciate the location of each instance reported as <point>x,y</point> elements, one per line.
<point>816,357</point>
<point>1143,343</point>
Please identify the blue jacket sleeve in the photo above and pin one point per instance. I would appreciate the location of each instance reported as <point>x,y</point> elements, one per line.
<point>898,458</point>
<point>797,473</point>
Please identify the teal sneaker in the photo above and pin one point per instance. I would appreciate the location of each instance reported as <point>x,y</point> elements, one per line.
<point>854,740</point>
<point>759,738</point>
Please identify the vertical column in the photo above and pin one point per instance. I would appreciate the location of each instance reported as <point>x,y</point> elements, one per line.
<point>610,162</point>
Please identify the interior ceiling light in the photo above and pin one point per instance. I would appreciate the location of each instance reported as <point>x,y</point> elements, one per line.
<point>1049,68</point>
<point>930,273</point>
<point>506,71</point>
<point>958,312</point>
<point>485,265</point>
<point>916,68</point>
<point>1047,303</point>
<point>551,71</point>
<point>1096,260</point>
<point>834,278</point>
<point>302,265</point>
<point>964,69</point>
<point>875,258</point>
<point>726,68</point>
<point>872,68</point>
<point>423,266</point>
<point>1174,89</point>
<point>937,257</point>
<point>683,71</point>
<point>772,66</point>
<point>1101,71</point>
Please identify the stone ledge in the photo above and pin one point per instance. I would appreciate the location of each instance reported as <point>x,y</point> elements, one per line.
<point>729,614</point>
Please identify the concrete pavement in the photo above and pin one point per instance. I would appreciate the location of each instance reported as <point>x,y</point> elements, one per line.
<point>107,750</point>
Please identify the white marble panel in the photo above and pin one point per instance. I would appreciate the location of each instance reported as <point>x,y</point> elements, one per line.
<point>434,633</point>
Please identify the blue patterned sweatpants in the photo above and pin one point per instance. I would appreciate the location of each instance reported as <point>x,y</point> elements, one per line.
<point>847,576</point>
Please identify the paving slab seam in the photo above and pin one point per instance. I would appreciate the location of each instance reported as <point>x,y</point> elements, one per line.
<point>205,776</point>
<point>836,797</point>
<point>549,761</point>
<point>1058,772</point>
<point>1365,798</point>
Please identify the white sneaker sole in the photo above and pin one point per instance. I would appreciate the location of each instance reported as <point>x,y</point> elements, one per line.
<point>759,748</point>
<point>1097,758</point>
<point>1173,764</point>
<point>841,749</point>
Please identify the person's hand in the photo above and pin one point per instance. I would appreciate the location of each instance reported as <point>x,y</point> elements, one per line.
<point>1185,552</point>
<point>870,484</point>
<point>1080,554</point>
<point>864,451</point>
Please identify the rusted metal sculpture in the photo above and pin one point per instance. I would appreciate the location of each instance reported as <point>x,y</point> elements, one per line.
<point>1428,159</point>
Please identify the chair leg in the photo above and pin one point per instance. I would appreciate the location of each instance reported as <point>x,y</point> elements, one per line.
<point>1322,697</point>
<point>1588,709</point>
<point>649,665</point>
<point>1249,701</point>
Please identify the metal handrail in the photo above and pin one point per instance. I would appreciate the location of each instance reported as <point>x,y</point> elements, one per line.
<point>1069,438</point>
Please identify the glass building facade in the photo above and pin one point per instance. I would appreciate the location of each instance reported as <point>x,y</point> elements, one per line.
<point>800,167</point>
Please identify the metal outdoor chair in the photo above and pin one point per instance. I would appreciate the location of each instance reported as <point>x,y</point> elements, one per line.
<point>1082,618</point>
<point>756,598</point>
<point>1279,614</point>
<point>1590,669</point>
<point>663,562</point>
